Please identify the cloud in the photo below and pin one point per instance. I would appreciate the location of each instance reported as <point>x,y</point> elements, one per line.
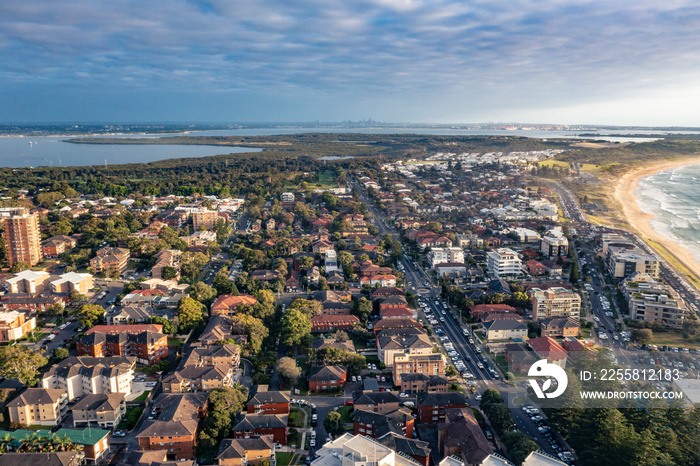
<point>513,52</point>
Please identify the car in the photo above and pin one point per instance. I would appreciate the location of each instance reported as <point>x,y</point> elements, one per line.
<point>477,397</point>
<point>409,404</point>
<point>354,378</point>
<point>313,422</point>
<point>314,417</point>
<point>349,403</point>
<point>383,379</point>
<point>536,418</point>
<point>150,384</point>
<point>118,433</point>
<point>479,365</point>
<point>403,395</point>
<point>313,434</point>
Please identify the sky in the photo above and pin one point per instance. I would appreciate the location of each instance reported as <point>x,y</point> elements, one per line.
<point>439,61</point>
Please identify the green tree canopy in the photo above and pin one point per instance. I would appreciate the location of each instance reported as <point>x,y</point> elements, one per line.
<point>296,327</point>
<point>21,362</point>
<point>88,314</point>
<point>190,314</point>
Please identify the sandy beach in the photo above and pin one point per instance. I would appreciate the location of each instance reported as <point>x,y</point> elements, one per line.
<point>625,193</point>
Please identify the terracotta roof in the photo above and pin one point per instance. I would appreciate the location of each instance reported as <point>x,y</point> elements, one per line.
<point>228,301</point>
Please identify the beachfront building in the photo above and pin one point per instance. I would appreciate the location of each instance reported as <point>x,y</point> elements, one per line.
<point>503,262</point>
<point>623,262</point>
<point>653,302</point>
<point>555,302</point>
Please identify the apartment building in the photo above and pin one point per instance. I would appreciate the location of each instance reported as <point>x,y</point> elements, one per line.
<point>80,376</point>
<point>323,378</point>
<point>146,346</point>
<point>104,410</point>
<point>390,347</point>
<point>445,255</point>
<point>28,281</point>
<point>22,236</point>
<point>554,302</point>
<point>246,451</point>
<point>110,259</point>
<point>503,262</point>
<point>38,406</point>
<point>432,406</point>
<point>15,324</point>
<point>71,281</point>
<point>204,218</point>
<point>553,246</point>
<point>226,304</point>
<point>653,302</point>
<point>428,364</point>
<point>622,262</point>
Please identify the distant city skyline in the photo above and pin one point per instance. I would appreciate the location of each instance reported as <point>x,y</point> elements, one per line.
<point>438,61</point>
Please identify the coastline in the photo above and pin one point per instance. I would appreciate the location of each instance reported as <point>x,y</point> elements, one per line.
<point>640,221</point>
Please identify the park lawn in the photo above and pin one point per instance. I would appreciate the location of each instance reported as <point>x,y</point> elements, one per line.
<point>326,179</point>
<point>673,338</point>
<point>284,457</point>
<point>143,396</point>
<point>296,417</point>
<point>345,414</point>
<point>130,419</point>
<point>584,332</point>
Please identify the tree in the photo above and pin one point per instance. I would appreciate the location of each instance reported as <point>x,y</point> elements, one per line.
<point>203,293</point>
<point>20,362</point>
<point>296,327</point>
<point>341,335</point>
<point>88,314</point>
<point>223,285</point>
<point>519,445</point>
<point>18,267</point>
<point>60,353</point>
<point>253,328</point>
<point>308,307</point>
<point>641,335</point>
<point>451,371</point>
<point>168,326</point>
<point>288,369</point>
<point>362,308</point>
<point>168,273</point>
<point>190,314</point>
<point>333,424</point>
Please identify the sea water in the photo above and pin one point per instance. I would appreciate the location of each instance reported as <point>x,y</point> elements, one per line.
<point>673,197</point>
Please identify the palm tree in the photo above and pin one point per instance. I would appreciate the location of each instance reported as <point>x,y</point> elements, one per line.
<point>5,443</point>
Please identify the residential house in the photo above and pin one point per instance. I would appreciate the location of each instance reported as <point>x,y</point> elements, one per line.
<point>560,327</point>
<point>503,329</point>
<point>323,378</point>
<point>519,358</point>
<point>548,349</point>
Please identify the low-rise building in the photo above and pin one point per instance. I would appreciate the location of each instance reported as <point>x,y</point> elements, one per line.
<point>104,410</point>
<point>71,281</point>
<point>547,348</point>
<point>38,406</point>
<point>360,450</point>
<point>376,425</point>
<point>653,302</point>
<point>248,425</point>
<point>432,406</point>
<point>323,378</point>
<point>376,402</point>
<point>331,323</point>
<point>560,327</point>
<point>147,347</point>
<point>28,281</point>
<point>108,260</point>
<point>438,256</point>
<point>15,324</point>
<point>623,262</point>
<point>461,435</point>
<point>198,379</point>
<point>553,246</point>
<point>226,304</point>
<point>175,424</point>
<point>414,383</point>
<point>268,402</point>
<point>428,364</point>
<point>504,329</point>
<point>389,347</point>
<point>246,451</point>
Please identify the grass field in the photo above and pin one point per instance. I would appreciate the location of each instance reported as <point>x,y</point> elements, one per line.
<point>673,338</point>
<point>326,179</point>
<point>345,414</point>
<point>143,396</point>
<point>284,458</point>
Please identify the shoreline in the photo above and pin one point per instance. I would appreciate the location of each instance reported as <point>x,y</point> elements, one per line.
<point>640,221</point>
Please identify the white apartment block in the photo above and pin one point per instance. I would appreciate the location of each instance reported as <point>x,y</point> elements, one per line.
<point>503,262</point>
<point>555,302</point>
<point>91,376</point>
<point>445,256</point>
<point>553,246</point>
<point>622,262</point>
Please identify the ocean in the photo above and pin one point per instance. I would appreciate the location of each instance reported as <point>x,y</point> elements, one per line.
<point>673,197</point>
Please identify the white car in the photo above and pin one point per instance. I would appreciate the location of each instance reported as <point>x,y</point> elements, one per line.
<point>403,395</point>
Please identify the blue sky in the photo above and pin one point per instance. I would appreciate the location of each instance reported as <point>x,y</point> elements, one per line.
<point>553,61</point>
